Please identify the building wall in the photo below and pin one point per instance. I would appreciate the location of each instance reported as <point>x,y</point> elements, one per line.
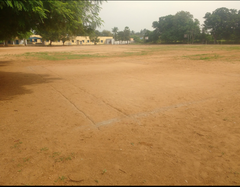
<point>78,40</point>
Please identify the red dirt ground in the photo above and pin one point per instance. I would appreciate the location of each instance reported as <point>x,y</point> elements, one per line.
<point>161,118</point>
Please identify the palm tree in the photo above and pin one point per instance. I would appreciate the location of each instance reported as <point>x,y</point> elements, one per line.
<point>115,30</point>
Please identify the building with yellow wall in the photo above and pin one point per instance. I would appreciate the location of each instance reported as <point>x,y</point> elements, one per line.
<point>78,40</point>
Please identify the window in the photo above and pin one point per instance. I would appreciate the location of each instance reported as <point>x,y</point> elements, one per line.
<point>88,41</point>
<point>101,41</point>
<point>47,40</point>
<point>83,41</point>
<point>72,41</point>
<point>58,40</point>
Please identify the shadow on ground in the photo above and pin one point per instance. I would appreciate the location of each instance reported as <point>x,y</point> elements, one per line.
<point>4,63</point>
<point>13,83</point>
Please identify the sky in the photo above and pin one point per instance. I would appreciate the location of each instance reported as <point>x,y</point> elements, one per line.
<point>139,15</point>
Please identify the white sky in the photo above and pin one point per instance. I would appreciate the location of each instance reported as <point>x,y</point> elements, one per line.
<point>138,15</point>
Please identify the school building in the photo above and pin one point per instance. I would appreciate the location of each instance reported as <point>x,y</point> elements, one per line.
<point>78,40</point>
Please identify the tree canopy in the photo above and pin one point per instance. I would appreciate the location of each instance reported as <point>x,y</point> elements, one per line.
<point>20,17</point>
<point>223,23</point>
<point>172,28</point>
<point>115,31</point>
<point>63,19</point>
<point>51,19</point>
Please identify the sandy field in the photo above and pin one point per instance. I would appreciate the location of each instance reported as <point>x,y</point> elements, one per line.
<point>120,115</point>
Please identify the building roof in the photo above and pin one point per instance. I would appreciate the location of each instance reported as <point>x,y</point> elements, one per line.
<point>30,38</point>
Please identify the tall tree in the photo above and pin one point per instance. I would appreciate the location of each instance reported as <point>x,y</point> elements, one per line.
<point>172,28</point>
<point>152,36</point>
<point>221,23</point>
<point>126,34</point>
<point>115,31</point>
<point>94,38</point>
<point>59,17</point>
<point>120,36</point>
<point>69,18</point>
<point>236,26</point>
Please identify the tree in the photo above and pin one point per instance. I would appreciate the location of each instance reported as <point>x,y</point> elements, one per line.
<point>173,28</point>
<point>142,32</point>
<point>126,34</point>
<point>120,35</point>
<point>59,17</point>
<point>94,38</point>
<point>20,17</point>
<point>106,33</point>
<point>221,23</point>
<point>98,33</point>
<point>70,18</point>
<point>137,39</point>
<point>204,36</point>
<point>115,31</point>
<point>152,36</point>
<point>236,26</point>
<point>24,36</point>
<point>50,35</point>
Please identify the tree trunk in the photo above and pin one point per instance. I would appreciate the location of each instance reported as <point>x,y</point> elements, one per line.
<point>5,43</point>
<point>214,39</point>
<point>50,42</point>
<point>24,40</point>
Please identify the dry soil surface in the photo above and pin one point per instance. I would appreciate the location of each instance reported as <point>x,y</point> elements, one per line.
<point>138,115</point>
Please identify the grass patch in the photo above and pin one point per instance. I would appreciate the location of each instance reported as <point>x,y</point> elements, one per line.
<point>62,178</point>
<point>230,48</point>
<point>58,56</point>
<point>203,57</point>
<point>44,149</point>
<point>138,51</point>
<point>104,171</point>
<point>57,158</point>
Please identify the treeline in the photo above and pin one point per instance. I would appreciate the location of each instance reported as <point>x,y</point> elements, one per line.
<point>116,34</point>
<point>53,20</point>
<point>220,26</point>
<point>121,35</point>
